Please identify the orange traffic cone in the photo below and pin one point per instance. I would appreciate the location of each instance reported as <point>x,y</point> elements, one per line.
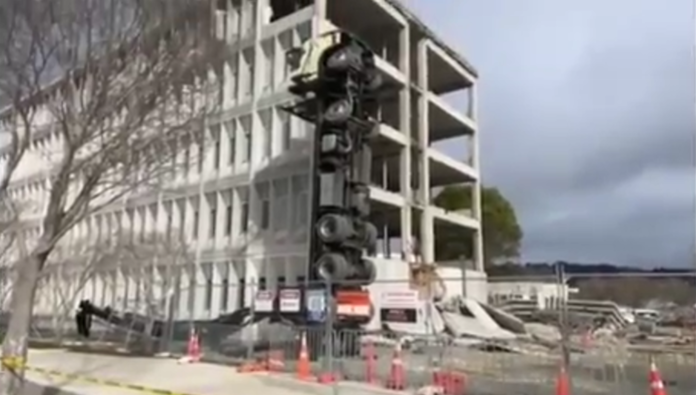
<point>657,386</point>
<point>397,376</point>
<point>370,356</point>
<point>193,349</point>
<point>304,370</point>
<point>562,382</point>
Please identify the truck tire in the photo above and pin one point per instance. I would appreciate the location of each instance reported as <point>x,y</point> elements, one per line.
<point>334,228</point>
<point>330,163</point>
<point>332,267</point>
<point>344,57</point>
<point>365,272</point>
<point>339,111</point>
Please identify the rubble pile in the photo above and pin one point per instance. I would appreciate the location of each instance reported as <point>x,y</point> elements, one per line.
<point>468,323</point>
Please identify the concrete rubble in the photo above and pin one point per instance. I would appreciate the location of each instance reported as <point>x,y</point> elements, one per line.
<point>471,324</point>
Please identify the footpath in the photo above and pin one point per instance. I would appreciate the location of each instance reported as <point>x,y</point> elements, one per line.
<point>91,374</point>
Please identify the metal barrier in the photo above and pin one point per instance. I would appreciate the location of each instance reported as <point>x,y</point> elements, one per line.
<point>601,356</point>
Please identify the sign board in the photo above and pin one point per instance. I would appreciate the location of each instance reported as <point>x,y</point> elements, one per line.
<point>316,305</point>
<point>353,304</point>
<point>399,306</point>
<point>290,300</point>
<point>263,302</point>
<point>406,299</point>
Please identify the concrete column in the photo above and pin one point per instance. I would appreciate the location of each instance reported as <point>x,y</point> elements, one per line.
<point>426,235</point>
<point>427,242</point>
<point>476,190</point>
<point>405,158</point>
<point>319,15</point>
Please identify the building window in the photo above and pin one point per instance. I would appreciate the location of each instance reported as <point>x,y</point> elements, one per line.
<point>268,63</point>
<point>300,200</point>
<point>191,302</point>
<point>244,214</point>
<point>245,217</point>
<point>187,156</point>
<point>248,58</point>
<point>285,130</point>
<point>249,146</point>
<point>282,282</point>
<point>201,155</point>
<point>285,40</point>
<point>232,78</point>
<point>231,127</point>
<point>215,133</point>
<point>213,222</point>
<point>225,294</point>
<point>280,210</point>
<point>262,190</point>
<point>248,17</point>
<point>266,118</point>
<point>263,284</point>
<point>209,293</point>
<point>245,123</point>
<point>221,19</point>
<point>170,219</point>
<point>234,20</point>
<point>241,293</point>
<point>196,220</point>
<point>228,219</point>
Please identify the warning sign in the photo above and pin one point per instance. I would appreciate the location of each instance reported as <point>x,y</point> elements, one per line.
<point>290,301</point>
<point>399,306</point>
<point>353,304</point>
<point>263,302</point>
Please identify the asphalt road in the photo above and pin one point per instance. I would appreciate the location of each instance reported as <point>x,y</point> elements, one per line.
<point>33,388</point>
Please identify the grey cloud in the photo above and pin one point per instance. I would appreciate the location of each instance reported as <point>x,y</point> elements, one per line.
<point>587,121</point>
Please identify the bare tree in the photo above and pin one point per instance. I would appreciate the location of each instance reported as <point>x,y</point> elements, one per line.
<point>118,84</point>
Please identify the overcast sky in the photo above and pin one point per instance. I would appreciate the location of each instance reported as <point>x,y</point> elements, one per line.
<point>587,121</point>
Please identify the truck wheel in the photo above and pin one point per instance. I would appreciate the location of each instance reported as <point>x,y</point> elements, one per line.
<point>334,228</point>
<point>366,272</point>
<point>339,111</point>
<point>344,58</point>
<point>332,267</point>
<point>331,163</point>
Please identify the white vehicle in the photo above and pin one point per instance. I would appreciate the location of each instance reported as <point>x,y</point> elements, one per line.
<point>335,50</point>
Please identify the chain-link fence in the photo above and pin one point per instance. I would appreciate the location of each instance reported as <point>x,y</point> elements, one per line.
<point>509,335</point>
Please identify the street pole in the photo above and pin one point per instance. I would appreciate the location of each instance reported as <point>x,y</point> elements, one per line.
<point>561,282</point>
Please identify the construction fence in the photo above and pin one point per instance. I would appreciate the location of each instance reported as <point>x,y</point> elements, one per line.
<point>603,330</point>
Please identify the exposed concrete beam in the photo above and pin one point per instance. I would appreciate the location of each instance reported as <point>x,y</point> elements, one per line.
<point>447,58</point>
<point>394,13</point>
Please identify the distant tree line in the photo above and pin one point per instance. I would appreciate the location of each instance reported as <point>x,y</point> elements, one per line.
<point>503,236</point>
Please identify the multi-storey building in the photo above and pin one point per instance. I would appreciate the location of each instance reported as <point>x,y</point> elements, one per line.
<point>242,212</point>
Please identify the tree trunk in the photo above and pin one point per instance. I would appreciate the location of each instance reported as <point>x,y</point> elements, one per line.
<point>21,308</point>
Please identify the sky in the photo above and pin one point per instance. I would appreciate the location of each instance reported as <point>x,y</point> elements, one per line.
<point>587,121</point>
